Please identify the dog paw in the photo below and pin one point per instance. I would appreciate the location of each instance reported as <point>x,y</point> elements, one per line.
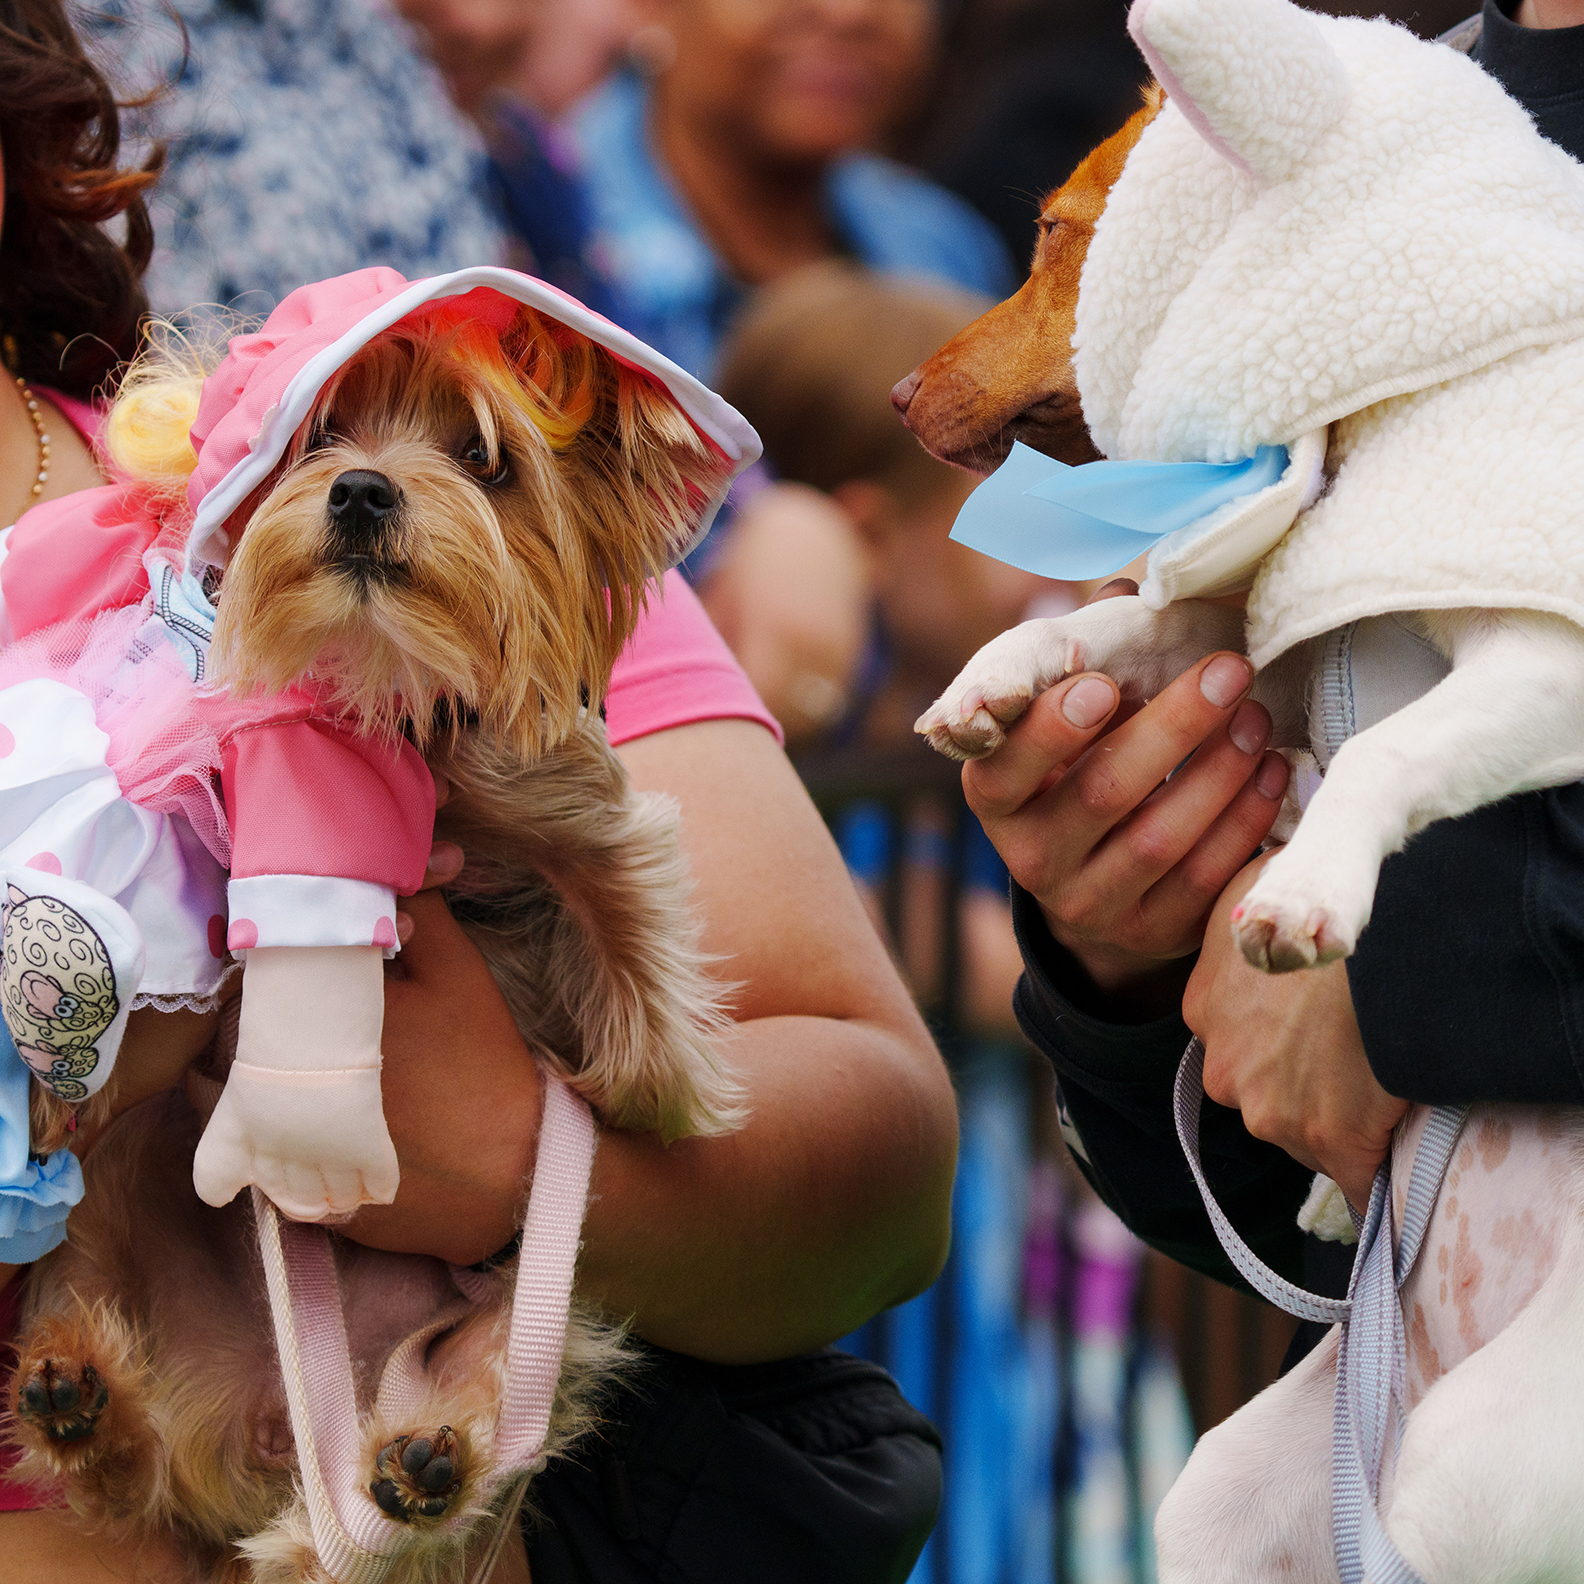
<point>417,1476</point>
<point>965,731</point>
<point>1279,933</point>
<point>62,1400</point>
<point>970,718</point>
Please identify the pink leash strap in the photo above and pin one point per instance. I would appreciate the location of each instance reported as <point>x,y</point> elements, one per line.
<point>356,1542</point>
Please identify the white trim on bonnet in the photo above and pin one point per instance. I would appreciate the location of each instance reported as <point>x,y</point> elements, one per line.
<point>716,418</point>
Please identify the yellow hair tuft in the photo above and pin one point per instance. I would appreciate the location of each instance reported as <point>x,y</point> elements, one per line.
<point>148,431</point>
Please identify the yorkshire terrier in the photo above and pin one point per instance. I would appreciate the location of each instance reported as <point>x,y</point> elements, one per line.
<point>447,556</point>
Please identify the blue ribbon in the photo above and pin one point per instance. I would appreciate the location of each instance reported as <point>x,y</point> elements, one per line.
<point>35,1196</point>
<point>1078,523</point>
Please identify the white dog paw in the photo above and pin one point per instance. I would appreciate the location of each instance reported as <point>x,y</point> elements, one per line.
<point>1281,926</point>
<point>964,729</point>
<point>970,718</point>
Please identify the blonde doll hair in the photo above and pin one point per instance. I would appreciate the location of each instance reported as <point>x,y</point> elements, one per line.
<point>148,431</point>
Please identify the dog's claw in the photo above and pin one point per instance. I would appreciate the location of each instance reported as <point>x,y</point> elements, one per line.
<point>63,1400</point>
<point>1275,943</point>
<point>416,1475</point>
<point>974,735</point>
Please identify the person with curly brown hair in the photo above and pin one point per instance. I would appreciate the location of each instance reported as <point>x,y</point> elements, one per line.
<point>71,308</point>
<point>71,296</point>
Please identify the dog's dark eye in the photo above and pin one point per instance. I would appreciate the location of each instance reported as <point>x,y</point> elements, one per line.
<point>488,470</point>
<point>324,434</point>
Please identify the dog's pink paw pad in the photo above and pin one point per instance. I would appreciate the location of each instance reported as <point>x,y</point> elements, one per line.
<point>243,934</point>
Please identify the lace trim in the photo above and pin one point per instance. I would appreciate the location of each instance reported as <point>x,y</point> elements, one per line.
<point>189,1002</point>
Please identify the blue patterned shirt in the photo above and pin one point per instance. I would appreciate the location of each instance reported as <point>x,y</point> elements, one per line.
<point>306,138</point>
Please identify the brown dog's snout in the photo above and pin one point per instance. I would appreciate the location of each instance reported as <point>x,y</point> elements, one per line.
<point>361,502</point>
<point>903,392</point>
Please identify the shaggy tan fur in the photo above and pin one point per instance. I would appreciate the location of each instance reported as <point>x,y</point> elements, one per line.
<point>539,494</point>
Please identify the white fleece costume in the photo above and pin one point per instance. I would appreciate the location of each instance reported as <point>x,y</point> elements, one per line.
<point>1329,223</point>
<point>1337,238</point>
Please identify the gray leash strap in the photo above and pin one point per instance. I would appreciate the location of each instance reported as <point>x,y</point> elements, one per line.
<point>1373,1352</point>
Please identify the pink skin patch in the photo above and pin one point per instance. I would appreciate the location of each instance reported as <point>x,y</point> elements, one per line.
<point>385,933</point>
<point>217,935</point>
<point>242,935</point>
<point>7,742</point>
<point>45,862</point>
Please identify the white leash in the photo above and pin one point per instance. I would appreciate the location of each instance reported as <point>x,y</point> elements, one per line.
<point>1372,1358</point>
<point>356,1542</point>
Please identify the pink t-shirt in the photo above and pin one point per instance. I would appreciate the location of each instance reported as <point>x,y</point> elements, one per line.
<point>83,416</point>
<point>675,671</point>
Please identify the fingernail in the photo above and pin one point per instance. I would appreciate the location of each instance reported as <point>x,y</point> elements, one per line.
<point>1088,701</point>
<point>1225,679</point>
<point>404,928</point>
<point>445,858</point>
<point>1250,727</point>
<point>1271,777</point>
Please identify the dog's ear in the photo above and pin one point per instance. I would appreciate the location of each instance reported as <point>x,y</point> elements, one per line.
<point>1255,78</point>
<point>647,477</point>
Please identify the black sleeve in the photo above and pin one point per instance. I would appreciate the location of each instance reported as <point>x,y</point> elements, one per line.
<point>1116,1090</point>
<point>1469,980</point>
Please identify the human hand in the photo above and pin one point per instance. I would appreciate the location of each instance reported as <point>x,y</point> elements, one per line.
<point>1285,1050</point>
<point>1125,865</point>
<point>462,1097</point>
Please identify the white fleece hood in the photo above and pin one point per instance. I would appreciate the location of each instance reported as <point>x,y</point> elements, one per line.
<point>1328,214</point>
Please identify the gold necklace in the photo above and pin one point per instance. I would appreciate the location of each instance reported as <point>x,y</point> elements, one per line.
<point>31,402</point>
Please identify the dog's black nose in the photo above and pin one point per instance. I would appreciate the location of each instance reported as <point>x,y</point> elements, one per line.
<point>361,501</point>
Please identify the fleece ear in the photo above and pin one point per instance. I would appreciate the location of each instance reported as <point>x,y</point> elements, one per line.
<point>1256,78</point>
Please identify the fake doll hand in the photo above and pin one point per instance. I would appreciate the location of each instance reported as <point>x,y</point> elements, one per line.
<point>300,1115</point>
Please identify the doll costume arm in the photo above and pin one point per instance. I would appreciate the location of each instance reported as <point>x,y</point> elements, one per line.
<point>326,829</point>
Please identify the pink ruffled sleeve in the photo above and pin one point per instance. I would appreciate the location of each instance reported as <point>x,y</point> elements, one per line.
<point>327,829</point>
<point>676,670</point>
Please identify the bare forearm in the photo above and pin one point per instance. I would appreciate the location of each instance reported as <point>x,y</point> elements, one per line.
<point>785,1235</point>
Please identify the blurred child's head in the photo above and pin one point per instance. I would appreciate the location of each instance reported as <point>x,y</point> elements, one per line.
<point>811,364</point>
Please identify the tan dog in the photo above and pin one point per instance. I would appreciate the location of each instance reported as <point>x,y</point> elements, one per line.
<point>997,381</point>
<point>1260,216</point>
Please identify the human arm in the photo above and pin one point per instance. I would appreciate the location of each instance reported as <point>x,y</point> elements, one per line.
<point>1118,871</point>
<point>1468,983</point>
<point>1487,1005</point>
<point>831,1203</point>
<point>1115,1082</point>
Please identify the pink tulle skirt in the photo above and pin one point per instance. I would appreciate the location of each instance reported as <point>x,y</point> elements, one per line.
<point>164,729</point>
